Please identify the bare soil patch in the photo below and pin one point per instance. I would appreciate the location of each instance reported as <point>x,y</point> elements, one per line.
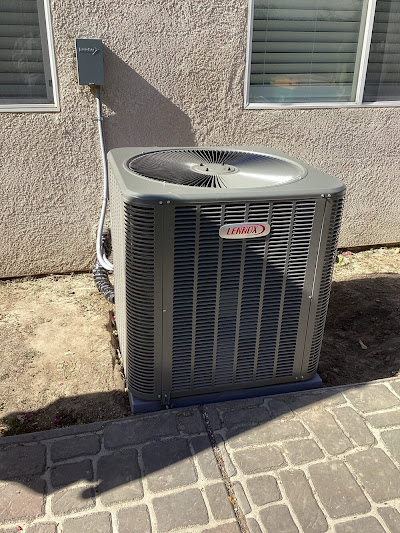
<point>362,332</point>
<point>58,365</point>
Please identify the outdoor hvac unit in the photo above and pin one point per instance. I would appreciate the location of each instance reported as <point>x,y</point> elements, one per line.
<point>223,261</point>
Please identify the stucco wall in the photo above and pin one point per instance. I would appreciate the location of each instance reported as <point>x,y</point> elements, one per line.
<point>174,76</point>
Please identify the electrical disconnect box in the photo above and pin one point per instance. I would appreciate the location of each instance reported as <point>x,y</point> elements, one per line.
<point>89,60</point>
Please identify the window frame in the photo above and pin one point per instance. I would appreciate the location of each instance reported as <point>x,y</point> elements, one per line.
<point>49,65</point>
<point>369,22</point>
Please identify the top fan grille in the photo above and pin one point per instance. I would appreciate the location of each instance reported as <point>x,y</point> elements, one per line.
<point>216,168</point>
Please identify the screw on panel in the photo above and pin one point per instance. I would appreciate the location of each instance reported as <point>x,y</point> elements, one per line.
<point>168,201</point>
<point>329,195</point>
<point>322,195</point>
<point>160,203</point>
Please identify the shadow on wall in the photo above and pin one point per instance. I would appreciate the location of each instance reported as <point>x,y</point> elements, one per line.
<point>138,114</point>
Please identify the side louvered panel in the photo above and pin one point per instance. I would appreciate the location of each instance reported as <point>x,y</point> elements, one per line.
<point>295,277</point>
<point>118,251</point>
<point>274,279</point>
<point>325,288</point>
<point>184,282</point>
<point>253,282</point>
<point>140,275</point>
<point>207,276</point>
<point>228,299</point>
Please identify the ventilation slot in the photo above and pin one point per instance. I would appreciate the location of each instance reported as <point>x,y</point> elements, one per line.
<point>295,276</point>
<point>139,242</point>
<point>228,299</point>
<point>253,278</point>
<point>325,289</point>
<point>184,284</point>
<point>274,284</point>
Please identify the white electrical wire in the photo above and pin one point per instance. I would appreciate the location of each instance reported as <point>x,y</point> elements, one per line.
<point>101,256</point>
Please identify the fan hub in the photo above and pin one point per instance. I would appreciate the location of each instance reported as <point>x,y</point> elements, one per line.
<point>214,169</point>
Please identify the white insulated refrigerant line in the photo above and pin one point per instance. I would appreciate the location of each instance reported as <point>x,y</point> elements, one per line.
<point>101,256</point>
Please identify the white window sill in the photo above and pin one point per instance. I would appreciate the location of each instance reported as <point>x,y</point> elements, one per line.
<point>30,108</point>
<point>322,105</point>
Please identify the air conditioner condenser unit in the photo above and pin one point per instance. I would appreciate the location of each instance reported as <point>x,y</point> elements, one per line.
<point>223,260</point>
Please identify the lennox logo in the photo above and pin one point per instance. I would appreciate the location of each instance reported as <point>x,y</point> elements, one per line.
<point>246,230</point>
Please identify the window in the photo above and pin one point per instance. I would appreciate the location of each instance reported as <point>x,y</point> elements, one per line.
<point>27,67</point>
<point>320,53</point>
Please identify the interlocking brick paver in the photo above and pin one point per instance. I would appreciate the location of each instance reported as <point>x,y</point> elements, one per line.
<point>303,502</point>
<point>337,489</point>
<point>213,417</point>
<point>241,497</point>
<point>263,489</point>
<point>273,431</point>
<point>119,477</point>
<point>190,421</point>
<point>43,527</point>
<point>253,526</point>
<point>179,510</point>
<point>134,520</point>
<point>90,523</point>
<point>262,459</point>
<point>22,461</point>
<point>354,425</point>
<point>368,398</point>
<point>302,451</point>
<point>230,527</point>
<point>382,420</point>
<point>66,473</point>
<point>168,465</point>
<point>70,501</point>
<point>138,430</point>
<point>22,501</point>
<point>392,440</point>
<point>316,399</point>
<point>377,473</point>
<point>327,430</point>
<point>277,518</point>
<point>229,466</point>
<point>391,518</point>
<point>395,384</point>
<point>74,447</point>
<point>147,477</point>
<point>205,456</point>
<point>220,505</point>
<point>234,405</point>
<point>278,408</point>
<point>368,524</point>
<point>246,416</point>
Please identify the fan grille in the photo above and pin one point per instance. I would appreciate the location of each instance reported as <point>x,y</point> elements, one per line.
<point>215,168</point>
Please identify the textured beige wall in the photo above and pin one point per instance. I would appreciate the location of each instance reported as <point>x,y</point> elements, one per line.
<point>174,76</point>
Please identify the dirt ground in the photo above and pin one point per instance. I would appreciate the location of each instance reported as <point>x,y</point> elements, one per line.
<point>362,332</point>
<point>58,366</point>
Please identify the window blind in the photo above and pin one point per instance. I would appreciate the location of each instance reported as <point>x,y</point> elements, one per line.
<point>24,63</point>
<point>383,74</point>
<point>305,50</point>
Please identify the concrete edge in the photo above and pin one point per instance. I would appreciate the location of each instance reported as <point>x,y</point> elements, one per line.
<point>100,425</point>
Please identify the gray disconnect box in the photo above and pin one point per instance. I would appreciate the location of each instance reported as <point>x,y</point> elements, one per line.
<point>89,59</point>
